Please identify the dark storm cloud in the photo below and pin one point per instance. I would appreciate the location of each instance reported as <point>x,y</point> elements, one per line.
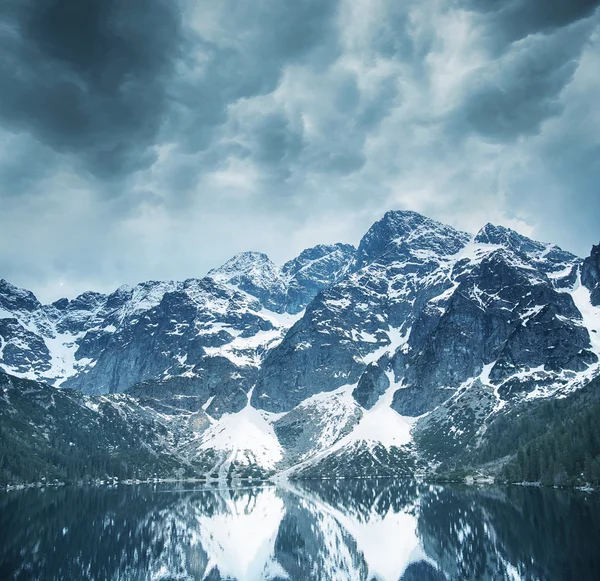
<point>535,48</point>
<point>88,77</point>
<point>255,41</point>
<point>104,80</point>
<point>515,19</point>
<point>514,95</point>
<point>343,117</point>
<point>276,140</point>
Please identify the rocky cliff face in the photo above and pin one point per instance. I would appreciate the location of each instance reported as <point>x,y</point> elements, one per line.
<point>313,270</point>
<point>350,345</point>
<point>590,275</point>
<point>505,315</point>
<point>364,316</point>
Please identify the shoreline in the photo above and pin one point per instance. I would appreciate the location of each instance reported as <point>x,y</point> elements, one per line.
<point>252,482</point>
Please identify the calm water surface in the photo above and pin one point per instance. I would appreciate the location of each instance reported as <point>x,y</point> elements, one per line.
<point>363,530</point>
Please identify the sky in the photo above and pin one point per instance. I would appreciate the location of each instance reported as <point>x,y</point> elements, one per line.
<point>154,139</point>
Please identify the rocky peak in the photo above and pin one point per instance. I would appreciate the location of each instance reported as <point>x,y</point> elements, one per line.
<point>61,304</point>
<point>559,265</point>
<point>70,316</point>
<point>13,298</point>
<point>87,301</point>
<point>313,270</point>
<point>149,294</point>
<point>511,240</point>
<point>251,264</point>
<point>590,274</point>
<point>256,274</point>
<point>340,253</point>
<point>409,230</point>
<point>492,234</point>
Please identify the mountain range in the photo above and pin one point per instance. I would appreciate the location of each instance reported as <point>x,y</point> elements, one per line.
<point>392,358</point>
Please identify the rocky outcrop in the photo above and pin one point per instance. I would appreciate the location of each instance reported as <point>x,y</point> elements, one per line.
<point>22,350</point>
<point>373,383</point>
<point>289,288</point>
<point>504,313</point>
<point>590,275</point>
<point>255,274</point>
<point>14,299</point>
<point>365,315</point>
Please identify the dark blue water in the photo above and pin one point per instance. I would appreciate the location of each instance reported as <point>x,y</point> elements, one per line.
<point>348,530</point>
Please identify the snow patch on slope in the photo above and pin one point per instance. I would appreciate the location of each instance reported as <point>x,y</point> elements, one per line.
<point>250,351</point>
<point>590,314</point>
<point>381,424</point>
<point>329,413</point>
<point>4,314</point>
<point>397,341</point>
<point>62,348</point>
<point>247,437</point>
<point>378,426</point>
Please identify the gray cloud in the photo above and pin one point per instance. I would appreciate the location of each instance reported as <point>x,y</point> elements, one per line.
<point>217,127</point>
<point>513,20</point>
<point>243,57</point>
<point>563,163</point>
<point>277,143</point>
<point>104,80</point>
<point>88,77</point>
<point>516,93</point>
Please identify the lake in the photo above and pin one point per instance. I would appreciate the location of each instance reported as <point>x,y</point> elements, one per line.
<point>323,530</point>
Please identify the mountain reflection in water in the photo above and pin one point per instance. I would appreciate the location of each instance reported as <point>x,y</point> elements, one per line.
<point>321,530</point>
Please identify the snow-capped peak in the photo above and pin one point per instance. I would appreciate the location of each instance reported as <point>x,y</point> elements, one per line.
<point>307,258</point>
<point>255,266</point>
<point>256,274</point>
<point>507,238</point>
<point>410,229</point>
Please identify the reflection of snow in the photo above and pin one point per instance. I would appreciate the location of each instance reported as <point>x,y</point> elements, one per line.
<point>241,541</point>
<point>388,543</point>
